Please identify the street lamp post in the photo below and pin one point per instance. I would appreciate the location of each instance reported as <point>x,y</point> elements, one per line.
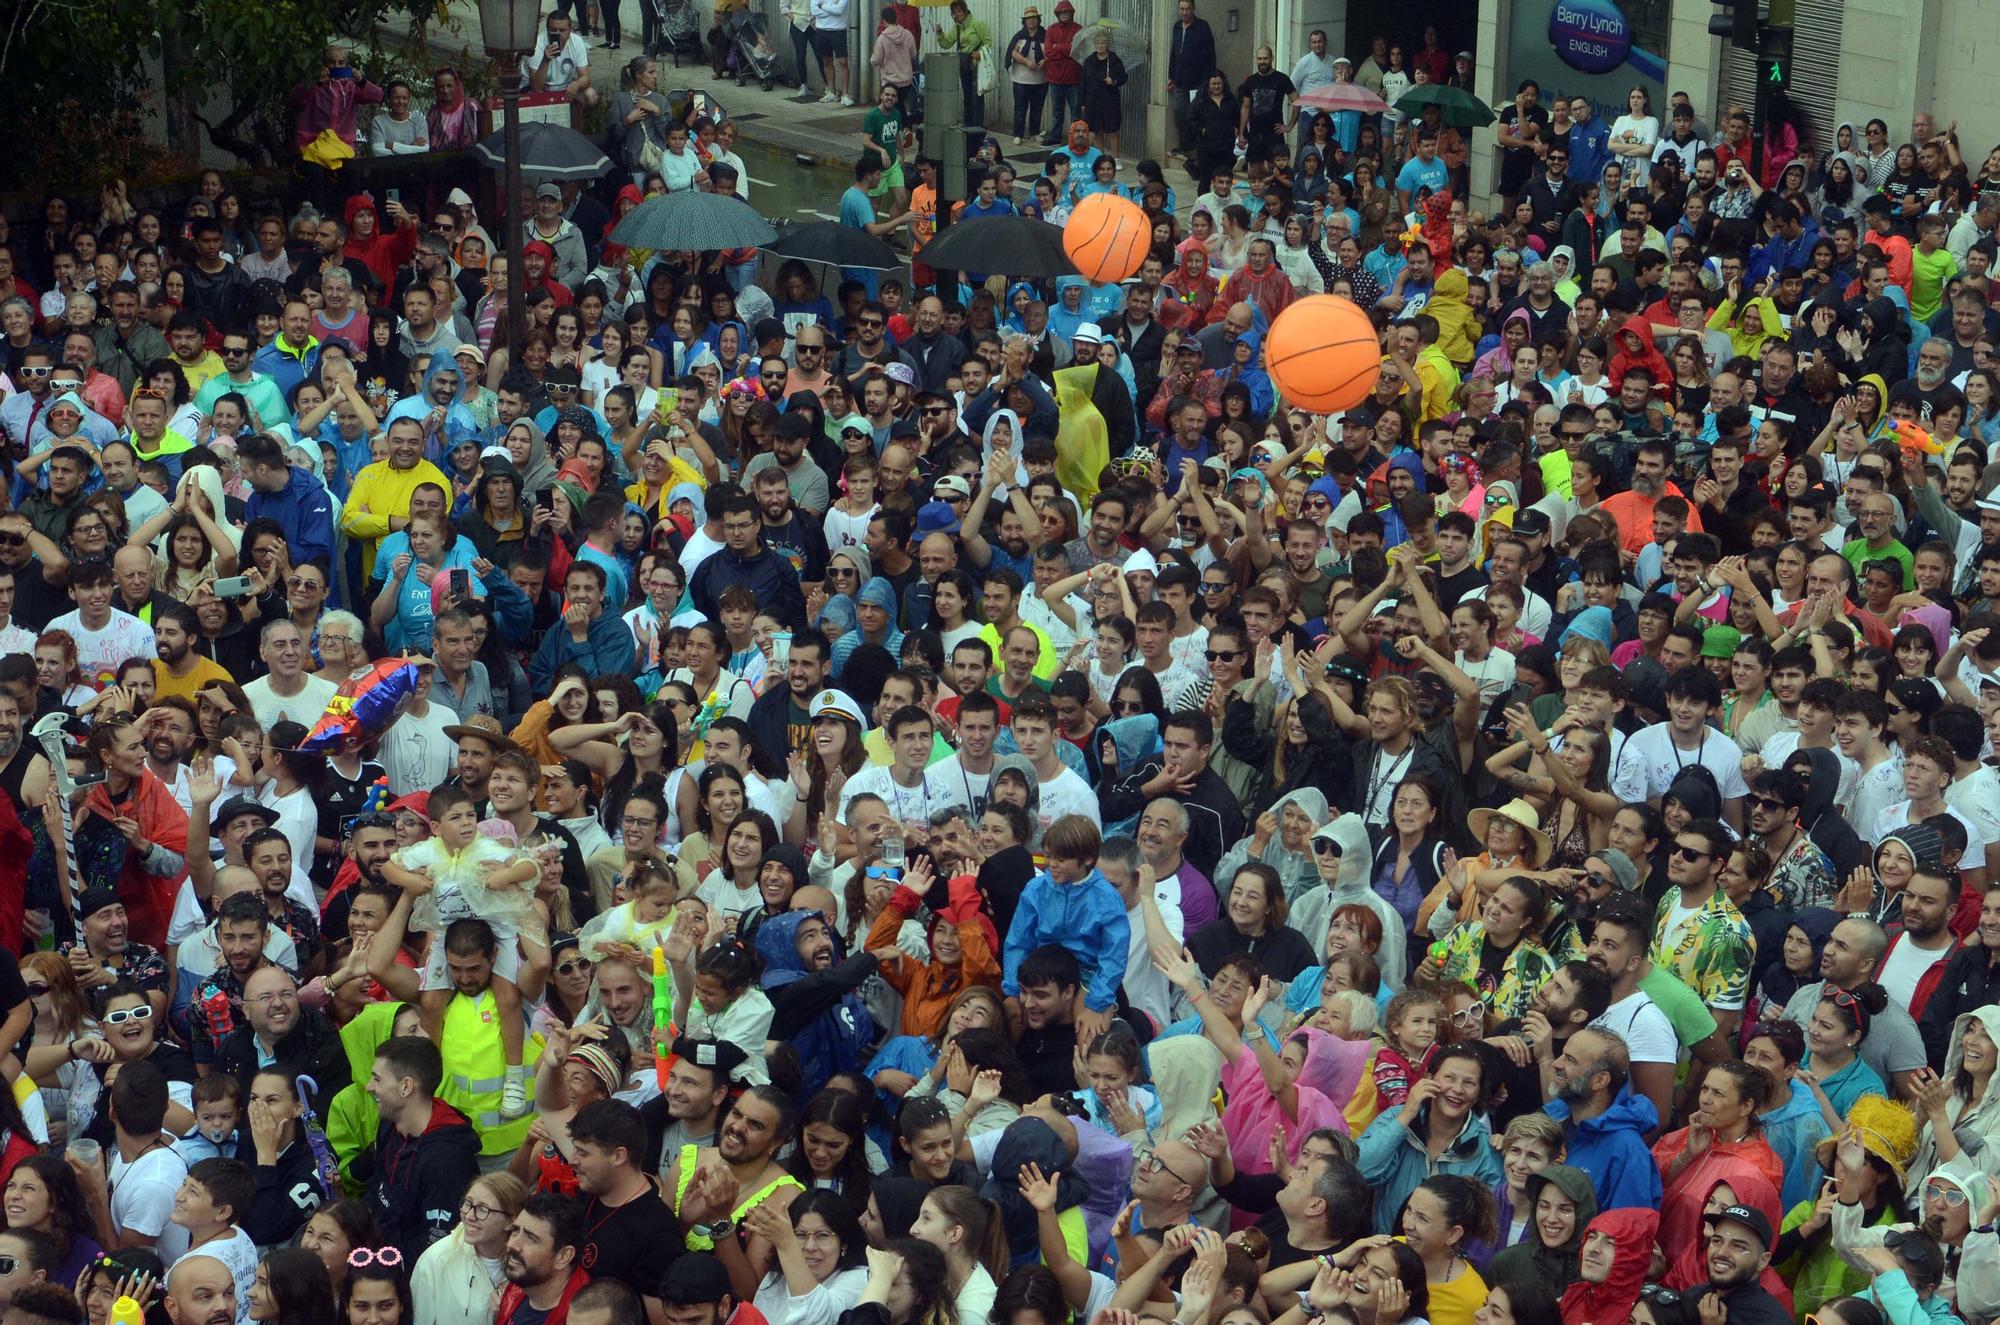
<point>510,28</point>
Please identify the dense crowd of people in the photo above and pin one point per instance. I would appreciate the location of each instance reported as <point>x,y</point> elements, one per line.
<point>947,801</point>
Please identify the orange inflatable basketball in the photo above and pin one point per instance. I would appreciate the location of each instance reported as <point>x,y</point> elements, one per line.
<point>1323,354</point>
<point>1107,237</point>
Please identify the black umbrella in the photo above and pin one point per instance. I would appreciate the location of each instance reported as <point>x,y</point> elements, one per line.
<point>699,222</point>
<point>548,151</point>
<point>1008,245</point>
<point>841,245</point>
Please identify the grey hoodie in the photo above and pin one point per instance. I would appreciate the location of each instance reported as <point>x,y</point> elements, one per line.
<point>1313,910</point>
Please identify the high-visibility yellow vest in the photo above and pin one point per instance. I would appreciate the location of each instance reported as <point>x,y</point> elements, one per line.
<point>475,1070</point>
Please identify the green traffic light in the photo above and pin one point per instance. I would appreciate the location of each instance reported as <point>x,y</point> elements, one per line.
<point>1777,74</point>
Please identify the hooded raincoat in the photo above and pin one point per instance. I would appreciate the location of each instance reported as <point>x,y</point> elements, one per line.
<point>1690,1267</point>
<point>1611,1148</point>
<point>1975,1124</point>
<point>817,1012</point>
<point>1631,1233</point>
<point>1314,908</point>
<point>1648,356</point>
<point>1553,1267</point>
<point>1295,868</point>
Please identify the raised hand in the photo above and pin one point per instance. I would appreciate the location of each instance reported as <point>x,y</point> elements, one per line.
<point>985,1089</point>
<point>1039,1190</point>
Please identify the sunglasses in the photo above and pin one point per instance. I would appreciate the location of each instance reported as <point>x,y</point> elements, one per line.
<point>143,1012</point>
<point>1764,803</point>
<point>1950,1194</point>
<point>235,349</point>
<point>1325,846</point>
<point>1222,655</point>
<point>1692,853</point>
<point>36,991</point>
<point>363,1257</point>
<point>1216,586</point>
<point>35,371</point>
<point>1665,1296</point>
<point>8,539</point>
<point>1127,706</point>
<point>575,964</point>
<point>936,409</point>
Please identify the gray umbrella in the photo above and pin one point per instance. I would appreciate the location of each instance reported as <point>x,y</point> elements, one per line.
<point>700,222</point>
<point>548,151</point>
<point>841,245</point>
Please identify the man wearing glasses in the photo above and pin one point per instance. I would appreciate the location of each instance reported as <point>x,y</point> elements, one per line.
<point>280,1035</point>
<point>809,371</point>
<point>239,375</point>
<point>1700,936</point>
<point>870,345</point>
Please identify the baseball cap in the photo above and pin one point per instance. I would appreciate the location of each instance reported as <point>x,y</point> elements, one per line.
<point>899,372</point>
<point>1750,1218</point>
<point>470,350</point>
<point>719,1056</point>
<point>1621,866</point>
<point>694,1279</point>
<point>953,485</point>
<point>549,191</point>
<point>1531,521</point>
<point>837,704</point>
<point>937,517</point>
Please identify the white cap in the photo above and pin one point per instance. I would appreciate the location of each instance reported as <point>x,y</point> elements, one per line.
<point>836,704</point>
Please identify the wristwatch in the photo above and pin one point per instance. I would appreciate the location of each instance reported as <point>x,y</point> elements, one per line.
<point>717,1230</point>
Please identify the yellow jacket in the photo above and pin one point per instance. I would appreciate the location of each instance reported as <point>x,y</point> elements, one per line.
<point>378,493</point>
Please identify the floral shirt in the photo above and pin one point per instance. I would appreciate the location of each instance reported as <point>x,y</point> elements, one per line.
<point>1803,876</point>
<point>1510,991</point>
<point>143,966</point>
<point>1710,953</point>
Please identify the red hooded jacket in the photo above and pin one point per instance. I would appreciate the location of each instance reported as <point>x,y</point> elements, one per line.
<point>1749,1188</point>
<point>384,250</point>
<point>1623,359</point>
<point>1632,1232</point>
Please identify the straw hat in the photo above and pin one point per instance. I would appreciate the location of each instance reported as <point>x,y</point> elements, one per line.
<point>484,727</point>
<point>1887,1130</point>
<point>1522,815</point>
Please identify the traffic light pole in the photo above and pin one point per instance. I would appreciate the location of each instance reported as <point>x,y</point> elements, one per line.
<point>1774,73</point>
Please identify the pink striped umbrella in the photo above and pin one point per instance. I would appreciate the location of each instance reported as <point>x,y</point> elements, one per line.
<point>1343,96</point>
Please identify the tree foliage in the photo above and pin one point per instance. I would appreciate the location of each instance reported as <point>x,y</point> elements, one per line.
<point>223,67</point>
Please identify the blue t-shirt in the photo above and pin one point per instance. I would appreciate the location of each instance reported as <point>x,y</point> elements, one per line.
<point>1418,173</point>
<point>857,212</point>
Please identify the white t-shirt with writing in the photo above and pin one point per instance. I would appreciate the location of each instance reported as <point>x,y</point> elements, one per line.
<point>98,652</point>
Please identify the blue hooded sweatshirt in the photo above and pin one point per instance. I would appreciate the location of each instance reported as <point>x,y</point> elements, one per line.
<point>1088,918</point>
<point>1252,375</point>
<point>1063,320</point>
<point>817,1012</point>
<point>304,510</point>
<point>1612,1149</point>
<point>1394,531</point>
<point>459,425</point>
